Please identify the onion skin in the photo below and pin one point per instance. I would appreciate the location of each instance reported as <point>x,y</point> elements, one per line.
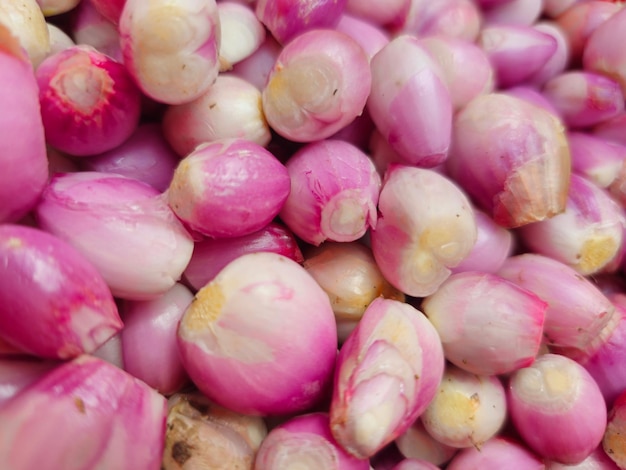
<point>59,39</point>
<point>387,373</point>
<point>145,156</point>
<point>228,188</point>
<point>203,435</point>
<point>305,440</point>
<point>577,310</point>
<point>90,27</point>
<point>413,464</point>
<point>319,84</point>
<point>149,338</point>
<point>514,12</point>
<point>416,240</point>
<point>587,236</point>
<point>109,420</point>
<point>613,439</point>
<point>231,108</point>
<point>286,19</point>
<point>487,324</point>
<point>55,304</point>
<point>584,99</point>
<point>512,158</point>
<point>89,103</point>
<point>23,159</point>
<point>241,32</point>
<point>257,68</point>
<point>110,9</point>
<point>598,460</point>
<point>379,12</point>
<point>559,61</point>
<point>596,158</point>
<point>252,329</point>
<point>459,19</point>
<point>553,395</point>
<point>411,105</point>
<point>211,255</point>
<point>334,193</point>
<point>171,48</point>
<point>603,54</point>
<point>370,37</point>
<point>92,211</point>
<point>496,453</point>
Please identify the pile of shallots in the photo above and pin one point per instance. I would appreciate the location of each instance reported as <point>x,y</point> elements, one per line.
<point>312,234</point>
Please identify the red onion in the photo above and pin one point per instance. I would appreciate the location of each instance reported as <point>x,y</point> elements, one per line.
<point>145,156</point>
<point>89,103</point>
<point>577,311</point>
<point>512,157</point>
<point>22,144</point>
<point>334,194</point>
<point>17,374</point>
<point>247,337</point>
<point>95,416</point>
<point>514,12</point>
<point>92,28</point>
<point>493,245</point>
<point>584,99</point>
<point>603,52</point>
<point>286,19</point>
<point>417,443</point>
<point>426,226</point>
<point>598,460</point>
<point>305,442</point>
<point>231,108</point>
<point>318,85</point>
<point>349,275</point>
<point>171,47</point>
<point>370,37</point>
<point>487,324</point>
<point>241,32</point>
<point>203,435</point>
<point>122,226</point>
<point>149,338</point>
<point>496,453</point>
<point>465,68</point>
<point>387,373</point>
<point>26,22</point>
<point>410,104</point>
<point>516,52</point>
<point>557,408</point>
<point>579,21</point>
<point>596,158</point>
<point>228,188</point>
<point>54,302</point>
<point>468,409</point>
<point>212,254</point>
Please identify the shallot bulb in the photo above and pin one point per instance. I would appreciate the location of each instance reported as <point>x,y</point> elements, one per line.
<point>89,102</point>
<point>241,32</point>
<point>251,330</point>
<point>417,443</point>
<point>334,192</point>
<point>426,226</point>
<point>496,453</point>
<point>388,371</point>
<point>512,158</point>
<point>228,188</point>
<point>171,47</point>
<point>26,22</point>
<point>318,85</point>
<point>411,104</point>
